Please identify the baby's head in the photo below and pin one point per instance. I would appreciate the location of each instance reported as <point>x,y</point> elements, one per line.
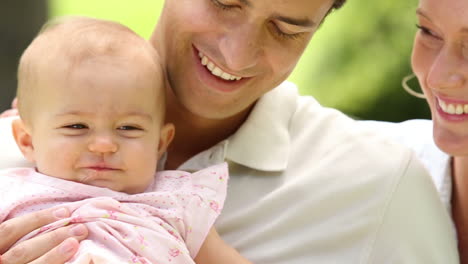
<point>91,102</point>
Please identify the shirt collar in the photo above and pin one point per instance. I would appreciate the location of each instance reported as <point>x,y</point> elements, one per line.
<point>263,141</point>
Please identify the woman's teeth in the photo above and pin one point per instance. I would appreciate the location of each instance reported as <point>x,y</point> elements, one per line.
<point>453,109</point>
<point>216,71</point>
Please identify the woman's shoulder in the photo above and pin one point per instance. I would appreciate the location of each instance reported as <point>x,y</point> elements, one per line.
<point>415,134</point>
<point>416,130</point>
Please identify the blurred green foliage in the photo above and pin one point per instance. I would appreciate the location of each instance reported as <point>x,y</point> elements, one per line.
<point>357,59</point>
<point>141,15</point>
<point>355,62</point>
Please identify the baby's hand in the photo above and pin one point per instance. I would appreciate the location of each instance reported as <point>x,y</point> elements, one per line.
<point>13,111</point>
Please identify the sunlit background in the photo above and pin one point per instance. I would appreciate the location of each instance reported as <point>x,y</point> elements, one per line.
<point>355,62</point>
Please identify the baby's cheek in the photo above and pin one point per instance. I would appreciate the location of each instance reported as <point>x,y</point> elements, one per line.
<point>57,162</point>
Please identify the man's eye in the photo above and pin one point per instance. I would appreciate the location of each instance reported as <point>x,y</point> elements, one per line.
<point>284,35</point>
<point>219,4</point>
<point>76,126</point>
<point>465,50</point>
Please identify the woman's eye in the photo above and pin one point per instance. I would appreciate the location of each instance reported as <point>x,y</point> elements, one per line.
<point>427,32</point>
<point>429,38</point>
<point>76,126</point>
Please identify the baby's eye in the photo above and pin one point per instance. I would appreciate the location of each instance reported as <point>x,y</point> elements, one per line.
<point>131,131</point>
<point>76,126</point>
<point>128,128</point>
<point>74,129</point>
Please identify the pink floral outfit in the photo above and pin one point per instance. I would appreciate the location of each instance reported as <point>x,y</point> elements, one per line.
<point>166,224</point>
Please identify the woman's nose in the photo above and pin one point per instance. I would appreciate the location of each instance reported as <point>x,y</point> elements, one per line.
<point>448,70</point>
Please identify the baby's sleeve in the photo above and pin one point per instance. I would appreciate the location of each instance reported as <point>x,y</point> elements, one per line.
<point>209,188</point>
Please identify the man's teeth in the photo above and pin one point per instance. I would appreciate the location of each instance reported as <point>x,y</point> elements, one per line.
<point>216,71</point>
<point>453,109</point>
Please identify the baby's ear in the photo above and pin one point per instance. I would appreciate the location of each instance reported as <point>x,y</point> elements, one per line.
<point>23,139</point>
<point>165,138</point>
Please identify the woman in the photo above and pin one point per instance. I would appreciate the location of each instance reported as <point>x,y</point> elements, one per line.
<point>307,184</point>
<point>440,63</point>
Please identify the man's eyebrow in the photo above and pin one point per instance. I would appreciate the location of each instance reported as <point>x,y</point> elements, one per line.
<point>302,22</point>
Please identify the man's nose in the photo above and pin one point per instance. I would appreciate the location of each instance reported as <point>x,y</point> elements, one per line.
<point>241,47</point>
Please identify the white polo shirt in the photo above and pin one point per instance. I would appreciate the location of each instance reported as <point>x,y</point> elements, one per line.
<point>417,135</point>
<point>308,185</point>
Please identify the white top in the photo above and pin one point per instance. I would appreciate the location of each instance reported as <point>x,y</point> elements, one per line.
<point>308,185</point>
<point>417,135</point>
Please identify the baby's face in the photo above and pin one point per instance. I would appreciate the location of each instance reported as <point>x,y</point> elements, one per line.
<point>99,126</point>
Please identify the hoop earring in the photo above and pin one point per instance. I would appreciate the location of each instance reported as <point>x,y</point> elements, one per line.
<point>408,89</point>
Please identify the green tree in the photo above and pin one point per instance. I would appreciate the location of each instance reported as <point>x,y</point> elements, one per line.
<point>357,60</point>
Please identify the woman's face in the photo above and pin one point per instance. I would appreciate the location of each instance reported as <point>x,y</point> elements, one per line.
<point>440,61</point>
<point>222,55</point>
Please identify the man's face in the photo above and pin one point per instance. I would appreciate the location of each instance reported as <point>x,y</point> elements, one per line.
<point>98,126</point>
<point>222,55</point>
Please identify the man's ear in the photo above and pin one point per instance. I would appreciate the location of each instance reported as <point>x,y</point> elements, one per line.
<point>23,139</point>
<point>165,138</point>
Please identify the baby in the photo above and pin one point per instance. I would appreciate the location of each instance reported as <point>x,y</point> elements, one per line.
<point>91,102</point>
